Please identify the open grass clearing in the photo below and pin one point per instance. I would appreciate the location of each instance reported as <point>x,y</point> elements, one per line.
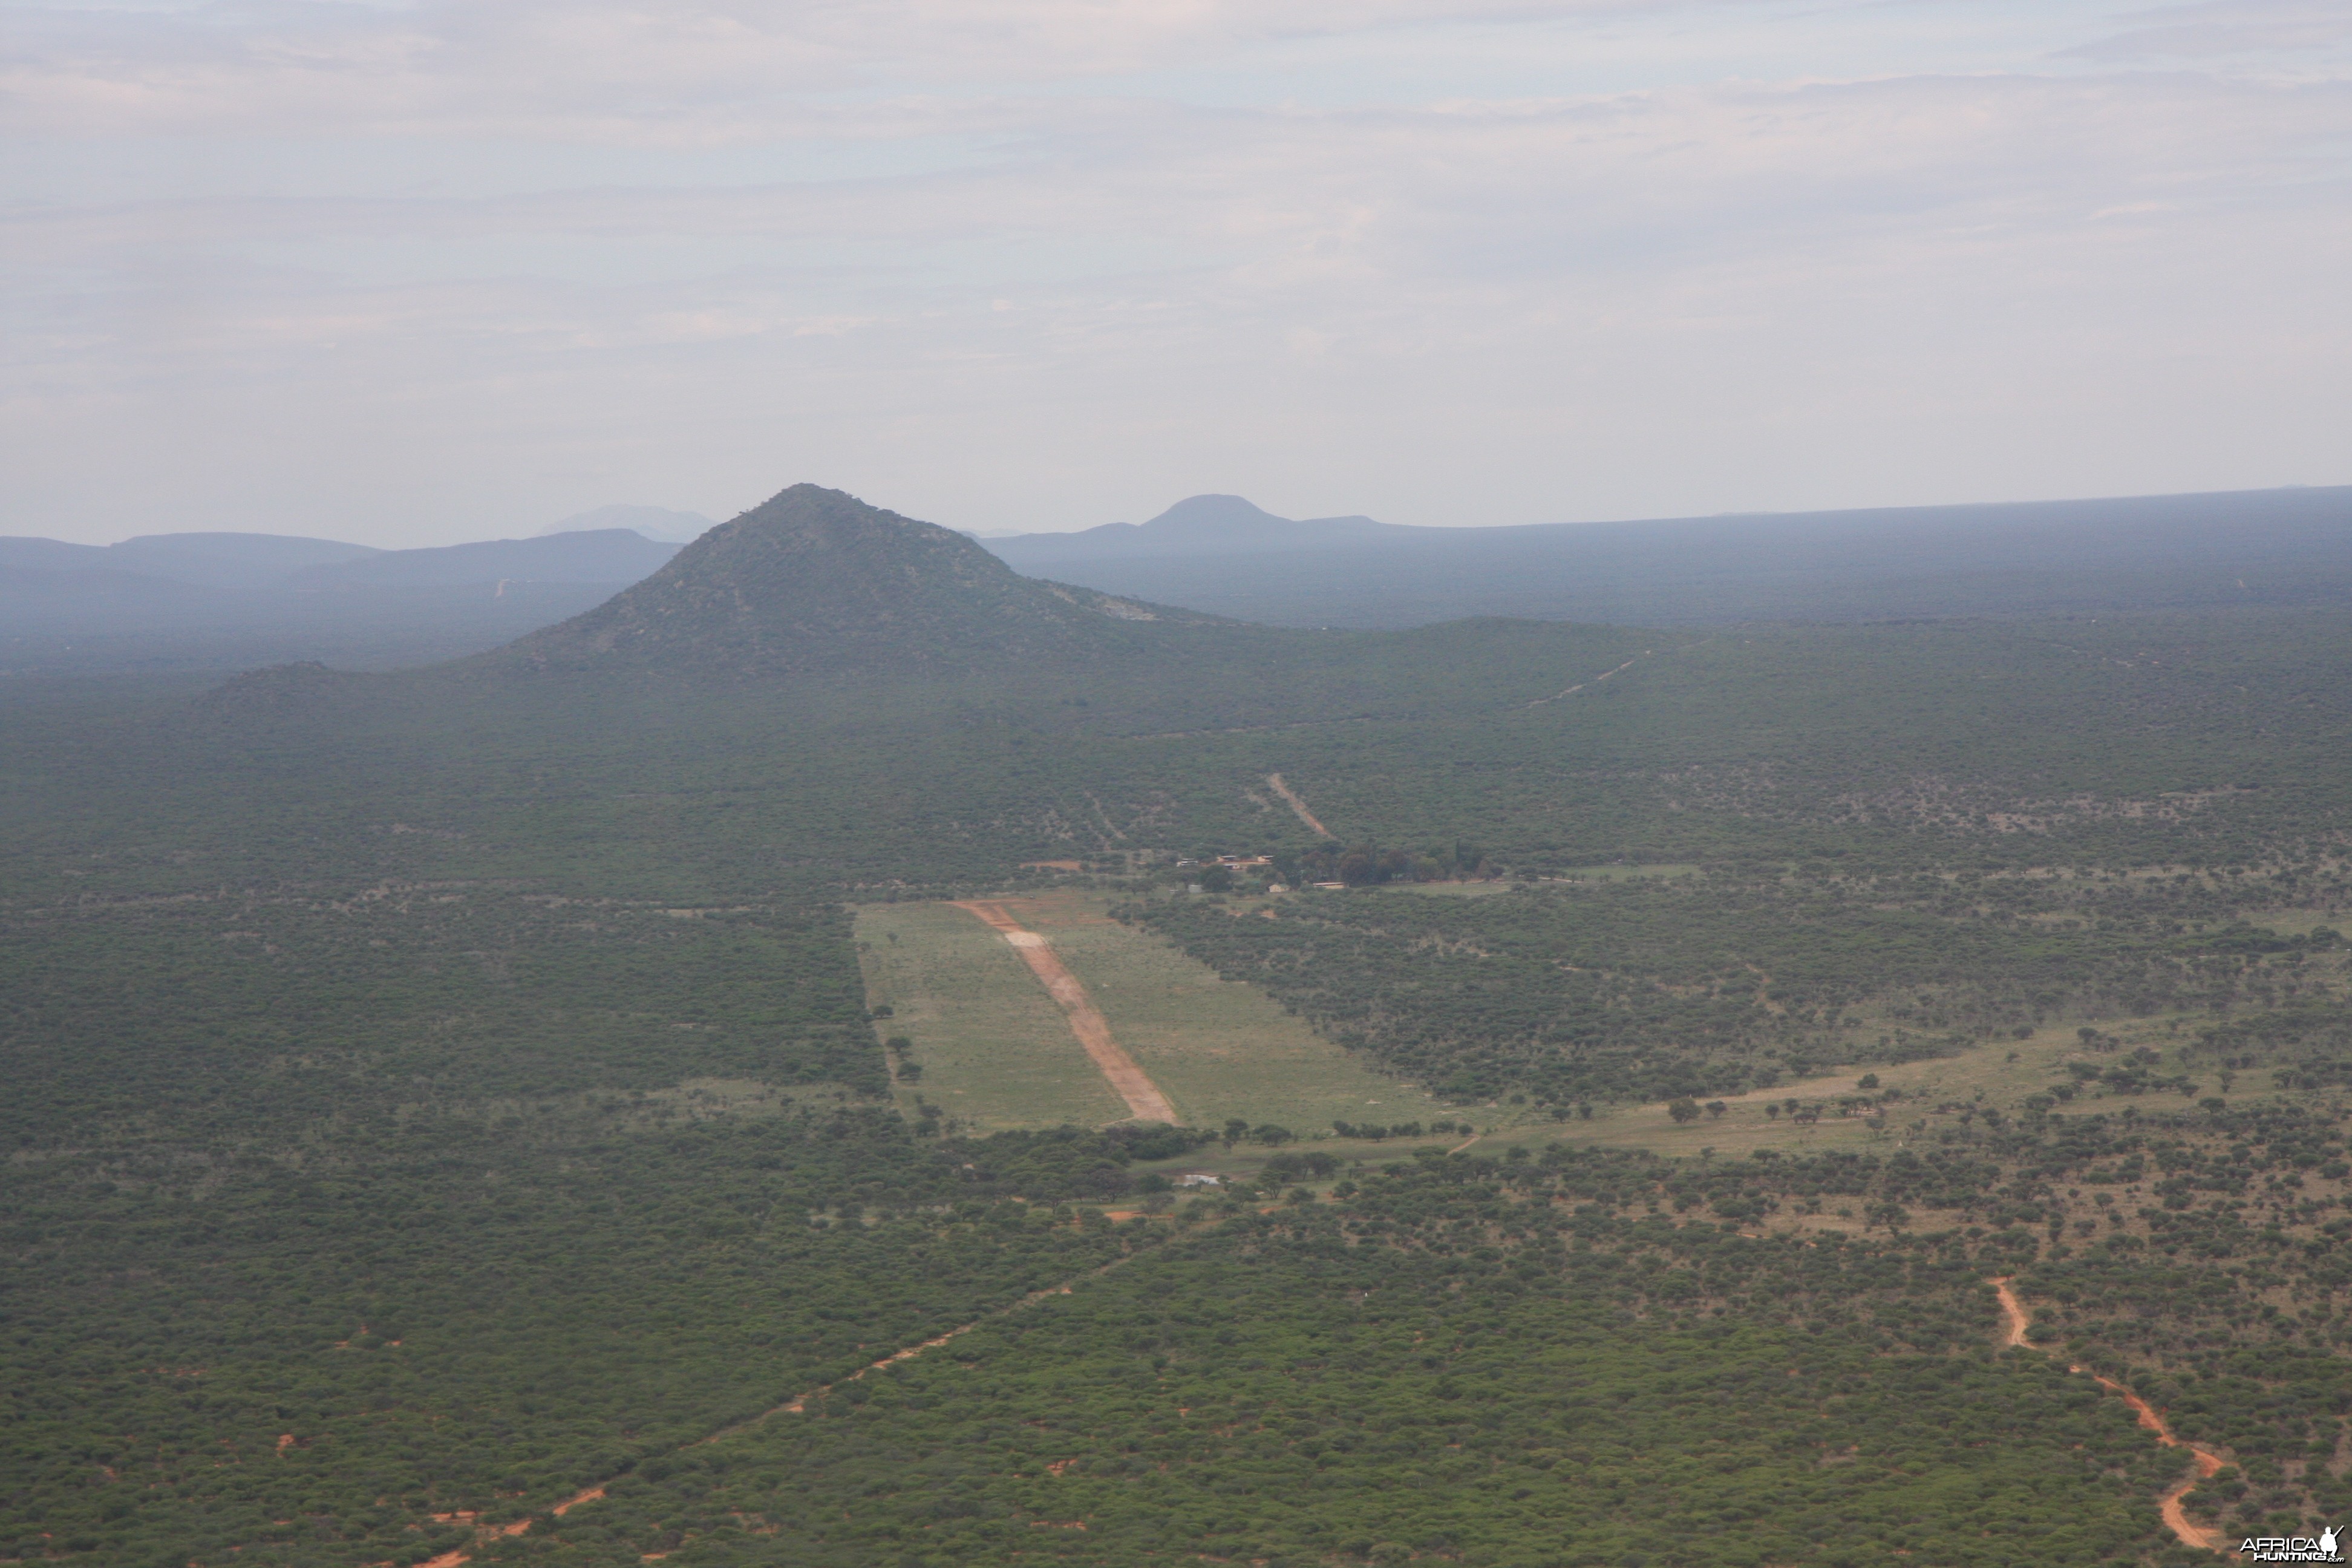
<point>1999,1075</point>
<point>994,1048</point>
<point>996,1051</point>
<point>1219,1049</point>
<point>2298,923</point>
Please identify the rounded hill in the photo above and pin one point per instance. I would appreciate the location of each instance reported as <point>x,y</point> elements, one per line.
<point>817,581</point>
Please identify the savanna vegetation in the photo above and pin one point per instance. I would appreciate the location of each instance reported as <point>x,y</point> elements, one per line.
<point>1734,981</point>
<point>1561,1358</point>
<point>432,1095</point>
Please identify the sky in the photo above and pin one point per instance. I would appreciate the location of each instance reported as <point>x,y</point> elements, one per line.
<point>414,273</point>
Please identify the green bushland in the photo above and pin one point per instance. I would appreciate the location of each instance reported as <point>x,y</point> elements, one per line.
<point>2214,742</point>
<point>267,1003</point>
<point>1469,1360</point>
<point>252,1140</point>
<point>445,1314</point>
<point>340,1009</point>
<point>1648,990</point>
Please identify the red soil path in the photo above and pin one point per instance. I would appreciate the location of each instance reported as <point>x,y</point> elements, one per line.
<point>1144,1100</point>
<point>491,1532</point>
<point>2176,1516</point>
<point>796,1405</point>
<point>1291,798</point>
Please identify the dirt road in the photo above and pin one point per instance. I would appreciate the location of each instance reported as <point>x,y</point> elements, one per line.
<point>797,1404</point>
<point>2176,1516</point>
<point>1144,1100</point>
<point>1594,681</point>
<point>492,1531</point>
<point>2014,1311</point>
<point>1274,782</point>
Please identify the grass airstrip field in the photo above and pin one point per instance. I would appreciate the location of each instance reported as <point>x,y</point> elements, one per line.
<point>989,1046</point>
<point>996,1051</point>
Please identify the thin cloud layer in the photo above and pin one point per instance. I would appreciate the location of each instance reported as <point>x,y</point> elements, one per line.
<point>2227,29</point>
<point>657,72</point>
<point>426,273</point>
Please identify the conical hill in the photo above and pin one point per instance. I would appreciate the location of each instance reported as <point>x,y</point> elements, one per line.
<point>817,581</point>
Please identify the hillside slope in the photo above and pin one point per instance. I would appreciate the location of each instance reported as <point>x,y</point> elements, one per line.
<point>815,580</point>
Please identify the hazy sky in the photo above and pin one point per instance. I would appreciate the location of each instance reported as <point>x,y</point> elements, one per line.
<point>412,273</point>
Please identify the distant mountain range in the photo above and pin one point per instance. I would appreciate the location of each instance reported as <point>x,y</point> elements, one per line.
<point>1222,554</point>
<point>214,601</point>
<point>815,602</point>
<point>655,522</point>
<point>607,557</point>
<point>220,601</point>
<point>1212,525</point>
<point>268,563</point>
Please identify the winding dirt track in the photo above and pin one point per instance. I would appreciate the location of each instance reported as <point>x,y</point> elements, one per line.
<point>491,1532</point>
<point>2176,1517</point>
<point>1274,782</point>
<point>795,1405</point>
<point>1144,1100</point>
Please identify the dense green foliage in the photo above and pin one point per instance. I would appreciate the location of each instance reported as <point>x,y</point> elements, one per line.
<point>395,1320</point>
<point>1648,990</point>
<point>258,1006</point>
<point>1471,1360</point>
<point>1907,747</point>
<point>601,1171</point>
<point>510,1013</point>
<point>2226,1299</point>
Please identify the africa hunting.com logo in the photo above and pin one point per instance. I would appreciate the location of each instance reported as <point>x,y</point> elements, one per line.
<point>2320,1547</point>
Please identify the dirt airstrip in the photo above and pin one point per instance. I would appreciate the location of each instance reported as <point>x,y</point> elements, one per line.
<point>2176,1517</point>
<point>1289,796</point>
<point>1144,1100</point>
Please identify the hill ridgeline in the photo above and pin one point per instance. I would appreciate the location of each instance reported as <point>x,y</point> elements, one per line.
<point>816,581</point>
